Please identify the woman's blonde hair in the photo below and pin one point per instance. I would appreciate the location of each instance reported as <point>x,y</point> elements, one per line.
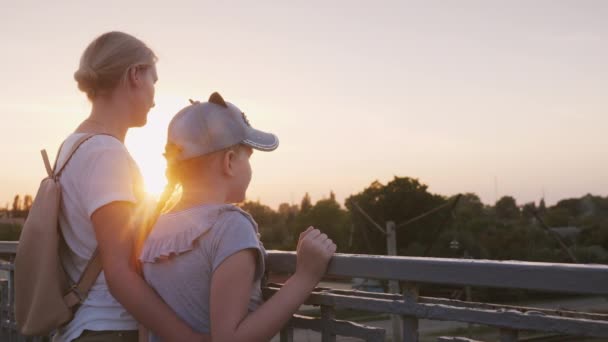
<point>106,61</point>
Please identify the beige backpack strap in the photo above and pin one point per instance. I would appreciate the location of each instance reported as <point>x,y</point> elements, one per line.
<point>57,170</point>
<point>47,164</point>
<point>79,291</point>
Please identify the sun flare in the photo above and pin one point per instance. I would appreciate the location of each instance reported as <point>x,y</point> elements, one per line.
<point>147,144</point>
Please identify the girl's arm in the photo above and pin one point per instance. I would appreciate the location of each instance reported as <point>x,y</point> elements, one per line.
<point>115,234</point>
<point>232,283</point>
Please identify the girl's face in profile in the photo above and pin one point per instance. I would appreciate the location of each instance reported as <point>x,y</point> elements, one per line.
<point>242,174</point>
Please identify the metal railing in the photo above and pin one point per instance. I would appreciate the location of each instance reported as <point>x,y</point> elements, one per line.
<point>411,272</point>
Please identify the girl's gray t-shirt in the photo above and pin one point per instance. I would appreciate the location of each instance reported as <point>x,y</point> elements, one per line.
<point>186,247</point>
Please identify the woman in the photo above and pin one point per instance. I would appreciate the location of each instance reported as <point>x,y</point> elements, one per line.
<point>101,191</point>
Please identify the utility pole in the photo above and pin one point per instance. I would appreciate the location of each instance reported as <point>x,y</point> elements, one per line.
<point>390,231</point>
<point>393,285</point>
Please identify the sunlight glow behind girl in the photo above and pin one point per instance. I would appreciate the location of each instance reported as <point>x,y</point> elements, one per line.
<point>147,144</point>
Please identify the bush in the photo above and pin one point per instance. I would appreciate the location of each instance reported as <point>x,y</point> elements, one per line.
<point>10,232</point>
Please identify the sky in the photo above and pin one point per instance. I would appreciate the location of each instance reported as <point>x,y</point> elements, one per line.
<point>491,97</point>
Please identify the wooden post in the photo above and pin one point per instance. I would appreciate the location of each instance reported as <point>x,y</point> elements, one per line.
<point>508,335</point>
<point>3,298</point>
<point>327,315</point>
<point>410,323</point>
<point>468,297</point>
<point>393,285</point>
<point>5,330</point>
<point>287,333</point>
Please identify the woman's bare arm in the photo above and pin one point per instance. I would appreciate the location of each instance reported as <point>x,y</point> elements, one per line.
<point>115,232</point>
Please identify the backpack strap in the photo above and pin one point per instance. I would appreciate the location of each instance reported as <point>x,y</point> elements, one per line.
<point>47,164</point>
<point>78,292</point>
<point>58,170</point>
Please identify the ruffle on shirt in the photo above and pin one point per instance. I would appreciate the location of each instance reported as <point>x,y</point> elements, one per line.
<point>167,240</point>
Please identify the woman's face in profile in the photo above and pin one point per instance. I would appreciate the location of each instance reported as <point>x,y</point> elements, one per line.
<point>143,93</point>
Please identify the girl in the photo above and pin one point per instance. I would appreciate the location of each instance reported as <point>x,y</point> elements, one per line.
<point>204,257</point>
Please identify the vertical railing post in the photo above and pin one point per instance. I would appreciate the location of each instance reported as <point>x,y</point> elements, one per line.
<point>327,315</point>
<point>410,323</point>
<point>287,333</point>
<point>508,335</point>
<point>11,302</point>
<point>5,329</point>
<point>3,312</point>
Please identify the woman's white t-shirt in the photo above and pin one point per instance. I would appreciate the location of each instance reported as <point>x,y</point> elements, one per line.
<point>100,172</point>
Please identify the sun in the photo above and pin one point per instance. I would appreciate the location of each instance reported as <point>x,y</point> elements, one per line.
<point>147,144</point>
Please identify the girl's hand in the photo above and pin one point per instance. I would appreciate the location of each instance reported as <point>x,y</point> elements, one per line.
<point>314,251</point>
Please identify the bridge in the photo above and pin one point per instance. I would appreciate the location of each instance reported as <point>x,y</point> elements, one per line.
<point>408,307</point>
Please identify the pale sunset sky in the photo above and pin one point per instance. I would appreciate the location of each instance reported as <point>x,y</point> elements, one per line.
<point>491,97</point>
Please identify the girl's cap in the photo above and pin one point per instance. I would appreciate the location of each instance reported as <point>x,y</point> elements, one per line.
<point>206,127</point>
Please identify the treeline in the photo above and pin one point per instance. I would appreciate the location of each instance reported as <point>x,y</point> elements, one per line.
<point>505,230</point>
<point>19,209</point>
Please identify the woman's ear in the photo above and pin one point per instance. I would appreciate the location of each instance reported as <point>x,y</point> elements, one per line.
<point>134,76</point>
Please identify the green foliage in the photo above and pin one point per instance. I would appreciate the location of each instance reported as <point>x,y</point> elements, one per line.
<point>272,225</point>
<point>506,208</point>
<point>500,232</point>
<point>306,203</point>
<point>326,215</point>
<point>401,199</point>
<point>10,232</point>
<point>281,229</point>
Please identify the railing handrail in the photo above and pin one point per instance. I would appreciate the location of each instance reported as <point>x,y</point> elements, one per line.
<point>554,277</point>
<point>409,306</point>
<point>8,247</point>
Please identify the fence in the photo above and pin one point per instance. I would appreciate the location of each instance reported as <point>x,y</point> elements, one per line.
<point>409,305</point>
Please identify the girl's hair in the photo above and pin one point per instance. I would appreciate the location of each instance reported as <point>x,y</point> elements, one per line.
<point>106,61</point>
<point>172,151</point>
<point>176,170</point>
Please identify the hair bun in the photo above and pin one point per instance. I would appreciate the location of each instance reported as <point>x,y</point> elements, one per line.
<point>105,62</point>
<point>87,80</point>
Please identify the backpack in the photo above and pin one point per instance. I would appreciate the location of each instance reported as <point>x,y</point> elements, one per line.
<point>44,298</point>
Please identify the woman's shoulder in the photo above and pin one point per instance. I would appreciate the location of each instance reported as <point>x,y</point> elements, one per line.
<point>100,143</point>
<point>92,148</point>
<point>104,142</point>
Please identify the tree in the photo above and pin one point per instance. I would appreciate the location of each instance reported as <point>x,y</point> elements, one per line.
<point>287,216</point>
<point>271,225</point>
<point>469,207</point>
<point>16,205</point>
<point>306,203</point>
<point>557,217</point>
<point>528,210</point>
<point>570,205</point>
<point>330,218</point>
<point>401,199</point>
<point>541,206</point>
<point>27,204</point>
<point>506,208</point>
